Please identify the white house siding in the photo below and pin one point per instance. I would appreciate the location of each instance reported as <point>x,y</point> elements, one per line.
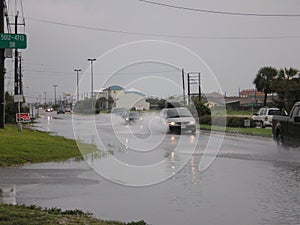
<point>132,99</point>
<point>116,93</point>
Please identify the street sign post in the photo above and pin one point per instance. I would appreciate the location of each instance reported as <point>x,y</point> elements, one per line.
<point>15,41</point>
<point>18,98</point>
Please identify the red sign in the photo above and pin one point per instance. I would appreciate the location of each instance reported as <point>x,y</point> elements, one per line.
<point>22,117</point>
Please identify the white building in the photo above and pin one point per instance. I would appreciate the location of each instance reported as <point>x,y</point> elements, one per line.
<point>132,98</point>
<point>112,91</point>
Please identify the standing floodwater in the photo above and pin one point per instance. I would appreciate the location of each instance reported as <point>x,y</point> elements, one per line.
<point>252,181</point>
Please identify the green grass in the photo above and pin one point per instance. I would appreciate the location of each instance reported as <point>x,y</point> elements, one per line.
<point>240,130</point>
<point>31,215</point>
<point>231,112</point>
<point>32,146</point>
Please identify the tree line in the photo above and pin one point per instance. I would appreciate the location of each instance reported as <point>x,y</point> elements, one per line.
<point>284,82</point>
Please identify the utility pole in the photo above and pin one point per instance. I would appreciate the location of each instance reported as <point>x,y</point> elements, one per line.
<point>55,86</point>
<point>183,86</point>
<point>18,77</point>
<point>45,97</point>
<point>199,86</point>
<point>16,58</point>
<point>189,88</point>
<point>2,97</point>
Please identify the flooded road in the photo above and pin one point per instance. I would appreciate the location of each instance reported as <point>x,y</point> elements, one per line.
<point>252,180</point>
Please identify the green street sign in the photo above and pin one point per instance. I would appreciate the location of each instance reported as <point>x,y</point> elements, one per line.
<point>16,41</point>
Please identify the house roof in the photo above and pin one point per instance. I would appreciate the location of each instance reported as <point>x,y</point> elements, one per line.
<point>134,91</point>
<point>115,88</point>
<point>214,95</point>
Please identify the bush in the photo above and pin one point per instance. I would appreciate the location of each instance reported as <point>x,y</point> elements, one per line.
<point>230,121</point>
<point>11,108</point>
<point>235,121</point>
<point>206,119</point>
<point>200,108</point>
<point>219,121</point>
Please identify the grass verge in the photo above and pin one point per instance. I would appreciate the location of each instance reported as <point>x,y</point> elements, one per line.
<point>239,130</point>
<point>30,215</point>
<point>31,146</point>
<point>231,112</point>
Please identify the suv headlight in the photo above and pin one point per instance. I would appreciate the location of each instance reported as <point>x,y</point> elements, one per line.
<point>172,123</point>
<point>192,122</point>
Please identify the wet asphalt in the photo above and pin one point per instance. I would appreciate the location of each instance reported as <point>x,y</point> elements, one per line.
<point>251,181</point>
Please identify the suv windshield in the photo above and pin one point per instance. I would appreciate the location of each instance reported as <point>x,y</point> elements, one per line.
<point>276,112</point>
<point>178,112</point>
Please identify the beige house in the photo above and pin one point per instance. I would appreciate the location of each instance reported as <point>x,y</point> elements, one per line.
<point>122,98</point>
<point>132,98</point>
<point>112,91</point>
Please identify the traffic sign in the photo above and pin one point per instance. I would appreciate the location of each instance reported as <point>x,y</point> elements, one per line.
<point>22,117</point>
<point>18,98</point>
<point>15,41</point>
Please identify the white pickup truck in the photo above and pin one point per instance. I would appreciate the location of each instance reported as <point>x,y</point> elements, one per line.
<point>264,116</point>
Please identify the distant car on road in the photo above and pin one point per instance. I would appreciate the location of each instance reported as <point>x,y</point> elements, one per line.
<point>60,111</point>
<point>179,120</point>
<point>120,112</point>
<point>67,109</point>
<point>49,110</point>
<point>133,116</point>
<point>264,116</point>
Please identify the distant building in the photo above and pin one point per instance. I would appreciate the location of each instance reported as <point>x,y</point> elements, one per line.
<point>132,98</point>
<point>112,91</point>
<point>252,98</point>
<point>251,93</point>
<point>214,100</point>
<point>122,98</point>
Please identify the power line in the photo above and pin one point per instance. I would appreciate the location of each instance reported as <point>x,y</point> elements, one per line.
<point>47,71</point>
<point>44,65</point>
<point>129,73</point>
<point>164,35</point>
<point>218,12</point>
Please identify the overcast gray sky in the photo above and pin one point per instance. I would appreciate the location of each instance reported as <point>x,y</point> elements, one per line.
<point>234,47</point>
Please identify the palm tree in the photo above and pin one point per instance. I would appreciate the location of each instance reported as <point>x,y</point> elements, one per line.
<point>264,80</point>
<point>284,85</point>
<point>290,73</point>
<point>288,88</point>
<point>280,86</point>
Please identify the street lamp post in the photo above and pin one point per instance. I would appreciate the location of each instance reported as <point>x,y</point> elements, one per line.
<point>55,86</point>
<point>77,83</point>
<point>92,75</point>
<point>92,85</point>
